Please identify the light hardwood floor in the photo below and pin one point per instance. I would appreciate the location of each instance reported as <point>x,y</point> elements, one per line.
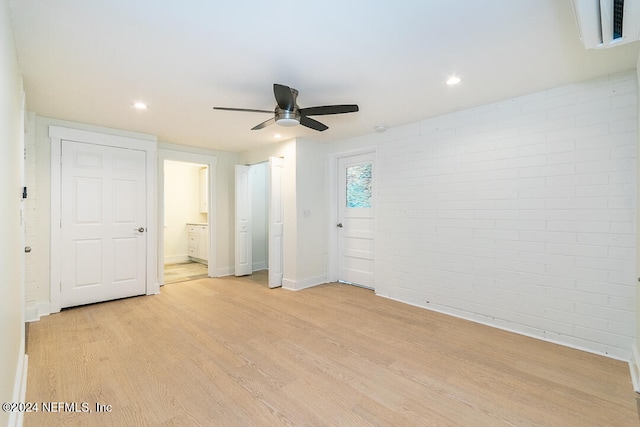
<point>231,352</point>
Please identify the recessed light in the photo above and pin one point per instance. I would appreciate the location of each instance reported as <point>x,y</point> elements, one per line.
<point>277,135</point>
<point>140,106</point>
<point>381,128</point>
<point>453,80</point>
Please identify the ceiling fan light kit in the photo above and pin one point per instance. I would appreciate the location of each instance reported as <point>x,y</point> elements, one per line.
<point>288,113</point>
<point>287,118</point>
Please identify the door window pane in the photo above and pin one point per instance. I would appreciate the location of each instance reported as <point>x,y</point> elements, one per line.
<point>359,186</point>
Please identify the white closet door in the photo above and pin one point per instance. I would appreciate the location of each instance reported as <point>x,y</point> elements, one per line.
<point>275,221</point>
<point>243,229</point>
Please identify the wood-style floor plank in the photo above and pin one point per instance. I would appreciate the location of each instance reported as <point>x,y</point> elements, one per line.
<point>232,352</point>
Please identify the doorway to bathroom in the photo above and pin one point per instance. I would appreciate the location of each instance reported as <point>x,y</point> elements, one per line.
<point>187,235</point>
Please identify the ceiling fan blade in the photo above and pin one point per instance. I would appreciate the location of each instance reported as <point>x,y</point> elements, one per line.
<point>313,124</point>
<point>329,109</point>
<point>264,124</point>
<point>284,97</point>
<point>248,110</point>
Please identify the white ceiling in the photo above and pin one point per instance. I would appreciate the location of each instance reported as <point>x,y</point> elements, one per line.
<point>89,61</point>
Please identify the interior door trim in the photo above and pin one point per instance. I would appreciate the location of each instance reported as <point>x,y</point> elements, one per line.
<point>57,134</point>
<point>332,230</point>
<point>189,155</point>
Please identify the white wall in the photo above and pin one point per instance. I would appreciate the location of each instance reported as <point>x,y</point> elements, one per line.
<point>312,213</point>
<point>181,206</point>
<point>519,214</point>
<point>11,250</point>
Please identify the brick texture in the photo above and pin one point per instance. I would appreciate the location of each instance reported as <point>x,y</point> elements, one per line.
<point>518,214</point>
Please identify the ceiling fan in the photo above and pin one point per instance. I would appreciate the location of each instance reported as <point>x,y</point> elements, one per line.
<point>288,113</point>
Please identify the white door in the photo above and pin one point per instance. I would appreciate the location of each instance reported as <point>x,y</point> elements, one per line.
<point>356,220</point>
<point>243,233</point>
<point>276,221</point>
<point>103,227</point>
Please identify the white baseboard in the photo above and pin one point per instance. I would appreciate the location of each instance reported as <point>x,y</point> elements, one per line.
<point>298,285</point>
<point>44,309</point>
<point>31,313</point>
<point>35,312</point>
<point>224,271</point>
<point>515,328</point>
<point>153,288</point>
<point>634,368</point>
<point>176,259</point>
<point>19,386</point>
<point>259,266</point>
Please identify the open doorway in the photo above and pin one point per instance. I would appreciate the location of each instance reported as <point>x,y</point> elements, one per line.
<point>186,221</point>
<point>259,175</point>
<point>259,221</point>
<point>174,229</point>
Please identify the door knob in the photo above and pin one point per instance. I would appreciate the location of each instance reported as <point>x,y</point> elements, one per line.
<point>339,225</point>
<point>139,230</point>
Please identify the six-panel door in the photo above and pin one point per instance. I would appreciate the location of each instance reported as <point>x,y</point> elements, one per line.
<point>103,223</point>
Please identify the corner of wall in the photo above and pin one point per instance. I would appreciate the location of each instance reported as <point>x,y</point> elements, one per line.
<point>637,283</point>
<point>12,127</point>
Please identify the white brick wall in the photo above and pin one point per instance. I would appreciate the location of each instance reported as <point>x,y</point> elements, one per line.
<point>519,214</point>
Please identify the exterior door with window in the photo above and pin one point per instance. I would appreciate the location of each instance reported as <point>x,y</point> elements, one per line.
<point>356,200</point>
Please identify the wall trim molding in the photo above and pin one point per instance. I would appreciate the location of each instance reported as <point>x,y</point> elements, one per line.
<point>480,319</point>
<point>224,271</point>
<point>189,155</point>
<point>257,266</point>
<point>176,259</point>
<point>34,312</point>
<point>20,385</point>
<point>44,309</point>
<point>634,368</point>
<point>57,134</point>
<point>31,313</point>
<point>298,285</point>
<point>333,160</point>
